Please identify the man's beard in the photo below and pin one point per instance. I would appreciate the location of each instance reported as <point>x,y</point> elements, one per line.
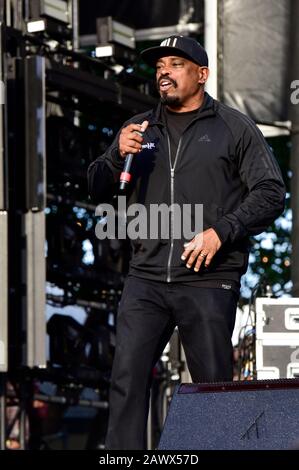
<point>170,100</point>
<point>165,98</point>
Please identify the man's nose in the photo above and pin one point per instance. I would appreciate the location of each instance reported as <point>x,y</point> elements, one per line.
<point>164,70</point>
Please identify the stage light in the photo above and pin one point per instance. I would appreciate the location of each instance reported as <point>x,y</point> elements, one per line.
<point>36,26</point>
<point>53,18</point>
<point>116,53</point>
<point>49,27</point>
<point>104,51</point>
<point>111,31</point>
<point>115,41</point>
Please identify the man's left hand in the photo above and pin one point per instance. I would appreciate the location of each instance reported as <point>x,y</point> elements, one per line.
<point>201,249</point>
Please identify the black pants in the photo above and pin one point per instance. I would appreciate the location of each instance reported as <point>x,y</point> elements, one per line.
<point>147,315</point>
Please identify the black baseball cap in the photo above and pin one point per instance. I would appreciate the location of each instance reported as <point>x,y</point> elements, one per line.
<point>180,46</point>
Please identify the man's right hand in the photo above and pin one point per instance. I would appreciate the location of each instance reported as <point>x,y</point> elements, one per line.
<point>130,140</point>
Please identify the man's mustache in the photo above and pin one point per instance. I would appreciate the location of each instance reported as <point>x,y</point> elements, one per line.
<point>173,82</point>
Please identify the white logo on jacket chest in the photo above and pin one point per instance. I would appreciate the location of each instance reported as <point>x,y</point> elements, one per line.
<point>149,145</point>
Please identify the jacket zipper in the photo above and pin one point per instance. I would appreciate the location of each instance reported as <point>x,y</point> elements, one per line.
<point>172,168</point>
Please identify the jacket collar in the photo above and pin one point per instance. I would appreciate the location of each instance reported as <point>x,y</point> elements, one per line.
<point>207,109</point>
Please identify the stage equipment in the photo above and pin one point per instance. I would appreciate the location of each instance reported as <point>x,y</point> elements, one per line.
<point>115,41</point>
<point>277,338</point>
<point>248,415</point>
<point>3,215</point>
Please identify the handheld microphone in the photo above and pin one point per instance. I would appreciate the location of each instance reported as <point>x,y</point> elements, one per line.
<point>125,176</point>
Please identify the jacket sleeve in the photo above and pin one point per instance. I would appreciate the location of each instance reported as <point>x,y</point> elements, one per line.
<point>265,196</point>
<point>103,174</point>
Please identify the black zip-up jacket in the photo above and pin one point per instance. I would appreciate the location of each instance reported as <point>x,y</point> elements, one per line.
<point>222,162</point>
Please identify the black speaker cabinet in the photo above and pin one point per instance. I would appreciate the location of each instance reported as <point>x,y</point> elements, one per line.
<point>251,415</point>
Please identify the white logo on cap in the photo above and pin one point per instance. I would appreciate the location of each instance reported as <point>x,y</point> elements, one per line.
<point>169,42</point>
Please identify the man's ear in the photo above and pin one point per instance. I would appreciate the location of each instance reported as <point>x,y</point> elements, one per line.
<point>203,75</point>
